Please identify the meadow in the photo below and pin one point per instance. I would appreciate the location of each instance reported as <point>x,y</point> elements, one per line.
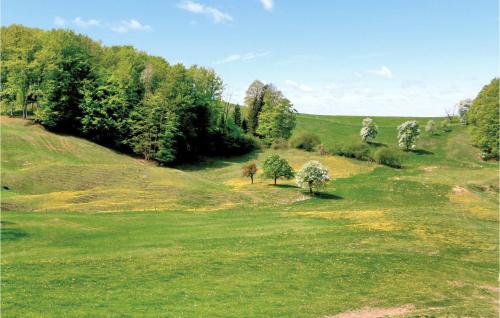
<point>87,231</point>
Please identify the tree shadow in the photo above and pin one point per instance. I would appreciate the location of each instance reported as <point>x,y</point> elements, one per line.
<point>327,196</point>
<point>10,234</point>
<point>422,152</point>
<point>217,162</point>
<point>284,186</point>
<point>377,144</point>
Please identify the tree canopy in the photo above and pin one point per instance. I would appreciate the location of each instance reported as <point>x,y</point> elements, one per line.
<point>483,115</point>
<point>312,175</point>
<point>118,96</point>
<point>408,133</point>
<point>276,167</point>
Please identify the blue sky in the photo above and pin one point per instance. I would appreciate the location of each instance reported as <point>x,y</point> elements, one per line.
<point>358,57</point>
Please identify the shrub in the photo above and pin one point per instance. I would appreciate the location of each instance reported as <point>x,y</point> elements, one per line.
<point>322,150</point>
<point>305,141</point>
<point>388,157</point>
<point>232,144</point>
<point>357,151</point>
<point>445,125</point>
<point>279,143</point>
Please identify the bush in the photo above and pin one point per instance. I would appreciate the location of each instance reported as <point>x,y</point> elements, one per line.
<point>279,143</point>
<point>388,157</point>
<point>357,151</point>
<point>305,141</point>
<point>445,125</point>
<point>322,150</point>
<point>232,144</point>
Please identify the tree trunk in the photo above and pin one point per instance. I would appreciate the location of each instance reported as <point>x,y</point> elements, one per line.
<point>275,180</point>
<point>251,177</point>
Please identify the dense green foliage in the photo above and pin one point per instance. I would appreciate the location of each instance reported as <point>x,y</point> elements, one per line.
<point>305,141</point>
<point>117,96</point>
<point>276,167</point>
<point>388,157</point>
<point>271,116</point>
<point>484,117</point>
<point>356,150</point>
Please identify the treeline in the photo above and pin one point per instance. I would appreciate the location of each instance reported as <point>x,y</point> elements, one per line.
<point>126,99</point>
<point>483,116</point>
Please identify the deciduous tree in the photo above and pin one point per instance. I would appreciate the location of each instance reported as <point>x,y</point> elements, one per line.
<point>369,130</point>
<point>249,170</point>
<point>276,167</point>
<point>312,175</point>
<point>408,133</point>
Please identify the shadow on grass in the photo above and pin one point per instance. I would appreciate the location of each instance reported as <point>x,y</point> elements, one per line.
<point>10,234</point>
<point>422,152</point>
<point>217,162</point>
<point>377,144</point>
<point>327,196</point>
<point>284,186</point>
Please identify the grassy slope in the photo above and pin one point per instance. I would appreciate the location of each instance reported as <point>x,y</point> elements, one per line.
<point>375,237</point>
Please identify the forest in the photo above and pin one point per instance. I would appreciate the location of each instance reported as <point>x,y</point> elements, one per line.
<point>128,100</point>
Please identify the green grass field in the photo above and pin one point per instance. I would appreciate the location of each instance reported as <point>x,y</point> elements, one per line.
<point>88,232</point>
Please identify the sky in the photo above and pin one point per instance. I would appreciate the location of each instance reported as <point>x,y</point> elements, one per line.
<point>357,57</point>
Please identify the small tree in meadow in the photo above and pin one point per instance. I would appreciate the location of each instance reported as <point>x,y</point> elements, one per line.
<point>462,107</point>
<point>408,133</point>
<point>249,170</point>
<point>276,167</point>
<point>369,131</point>
<point>312,175</point>
<point>430,127</point>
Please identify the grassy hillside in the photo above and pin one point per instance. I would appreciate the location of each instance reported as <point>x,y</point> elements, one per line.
<point>424,237</point>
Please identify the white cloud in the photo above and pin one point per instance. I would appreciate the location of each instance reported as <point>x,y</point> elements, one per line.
<point>215,14</point>
<point>132,24</point>
<point>58,21</point>
<point>85,24</point>
<point>267,4</point>
<point>384,71</point>
<point>301,87</point>
<point>241,57</point>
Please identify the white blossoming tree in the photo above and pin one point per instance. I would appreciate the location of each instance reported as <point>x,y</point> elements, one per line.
<point>430,127</point>
<point>463,106</point>
<point>408,133</point>
<point>369,131</point>
<point>312,175</point>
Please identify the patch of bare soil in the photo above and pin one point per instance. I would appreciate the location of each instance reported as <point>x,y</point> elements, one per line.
<point>430,168</point>
<point>459,189</point>
<point>375,312</point>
